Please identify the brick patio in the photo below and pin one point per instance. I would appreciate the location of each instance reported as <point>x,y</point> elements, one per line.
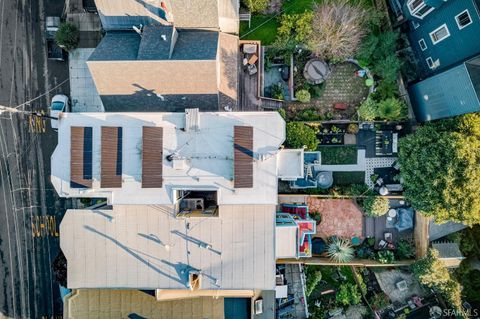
<point>340,217</point>
<point>341,86</point>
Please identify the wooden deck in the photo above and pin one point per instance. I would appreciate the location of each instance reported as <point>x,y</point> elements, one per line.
<point>377,227</point>
<point>250,98</point>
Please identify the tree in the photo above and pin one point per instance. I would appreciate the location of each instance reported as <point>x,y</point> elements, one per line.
<point>375,206</point>
<point>300,135</point>
<point>59,267</point>
<point>303,96</point>
<point>440,167</point>
<point>378,53</point>
<point>368,110</point>
<point>432,273</point>
<point>67,36</point>
<point>392,109</point>
<point>338,29</point>
<point>256,5</point>
<point>340,250</point>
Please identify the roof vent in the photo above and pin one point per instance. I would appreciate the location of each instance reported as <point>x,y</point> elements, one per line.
<point>139,29</point>
<point>164,37</point>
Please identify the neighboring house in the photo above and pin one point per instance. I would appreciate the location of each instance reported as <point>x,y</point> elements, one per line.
<point>166,70</point>
<point>193,202</point>
<point>166,56</point>
<point>217,15</point>
<point>443,35</point>
<point>453,92</point>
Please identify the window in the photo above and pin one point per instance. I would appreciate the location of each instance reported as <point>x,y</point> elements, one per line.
<point>418,8</point>
<point>463,19</point>
<point>422,44</point>
<point>439,34</point>
<point>430,63</point>
<point>415,24</point>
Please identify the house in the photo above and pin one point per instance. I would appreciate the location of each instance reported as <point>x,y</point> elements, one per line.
<point>441,32</point>
<point>166,56</point>
<point>442,36</point>
<point>192,202</point>
<point>214,15</point>
<point>165,69</point>
<point>453,92</point>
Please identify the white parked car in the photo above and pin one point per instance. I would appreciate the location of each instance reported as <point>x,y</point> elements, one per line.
<point>59,104</point>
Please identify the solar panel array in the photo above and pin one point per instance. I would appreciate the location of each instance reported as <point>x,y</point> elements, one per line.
<point>80,157</point>
<point>243,156</point>
<point>111,160</point>
<point>152,157</point>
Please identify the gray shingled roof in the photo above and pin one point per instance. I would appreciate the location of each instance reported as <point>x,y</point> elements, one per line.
<point>155,44</point>
<point>196,45</point>
<point>117,46</point>
<point>437,231</point>
<point>448,250</point>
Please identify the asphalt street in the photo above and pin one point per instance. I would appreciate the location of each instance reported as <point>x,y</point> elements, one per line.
<point>30,210</point>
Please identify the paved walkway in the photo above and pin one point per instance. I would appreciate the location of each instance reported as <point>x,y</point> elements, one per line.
<point>83,92</point>
<point>376,162</point>
<point>293,275</point>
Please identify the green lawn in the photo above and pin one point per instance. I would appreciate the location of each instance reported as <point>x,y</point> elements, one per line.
<point>338,155</point>
<point>297,6</point>
<point>263,28</point>
<point>348,178</point>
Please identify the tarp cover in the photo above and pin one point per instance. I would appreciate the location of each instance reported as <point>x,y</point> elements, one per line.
<point>405,219</point>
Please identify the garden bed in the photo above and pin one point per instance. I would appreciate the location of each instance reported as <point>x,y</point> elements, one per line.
<point>348,178</point>
<point>338,155</point>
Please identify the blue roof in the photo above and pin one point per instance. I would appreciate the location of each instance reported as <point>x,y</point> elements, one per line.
<point>458,47</point>
<point>450,93</point>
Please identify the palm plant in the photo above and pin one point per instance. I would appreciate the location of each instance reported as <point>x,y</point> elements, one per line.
<point>340,250</point>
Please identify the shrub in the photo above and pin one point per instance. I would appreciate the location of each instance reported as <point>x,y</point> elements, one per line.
<point>392,109</point>
<point>303,96</point>
<point>282,113</point>
<point>338,29</point>
<point>405,250</point>
<point>385,257</point>
<point>300,135</point>
<point>307,115</point>
<point>340,250</point>
<point>348,294</point>
<point>385,90</point>
<point>277,91</point>
<point>256,5</point>
<point>375,206</point>
<point>67,36</point>
<point>379,301</point>
<point>316,91</point>
<point>368,110</point>
<point>294,29</point>
<point>352,128</point>
<point>313,278</point>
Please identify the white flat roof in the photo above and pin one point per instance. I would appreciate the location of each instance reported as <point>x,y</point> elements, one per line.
<point>290,164</point>
<point>286,245</point>
<point>209,154</point>
<point>127,247</point>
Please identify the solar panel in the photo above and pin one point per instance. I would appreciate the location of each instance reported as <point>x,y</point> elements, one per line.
<point>243,157</point>
<point>152,157</point>
<point>80,157</point>
<point>111,160</point>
